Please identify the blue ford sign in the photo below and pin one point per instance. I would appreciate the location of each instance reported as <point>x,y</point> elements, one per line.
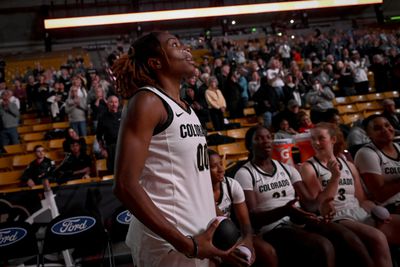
<point>73,225</point>
<point>124,217</point>
<point>11,235</point>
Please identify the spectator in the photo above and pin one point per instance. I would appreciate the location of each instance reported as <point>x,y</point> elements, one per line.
<point>359,70</point>
<point>389,112</point>
<point>285,131</point>
<point>199,107</point>
<point>57,102</point>
<point>305,123</point>
<point>254,83</point>
<point>216,104</point>
<point>381,70</point>
<point>20,93</point>
<point>345,79</point>
<point>98,106</point>
<point>233,94</point>
<point>9,115</point>
<point>72,136</point>
<point>39,169</point>
<point>320,97</point>
<point>76,108</point>
<point>107,131</point>
<point>75,165</point>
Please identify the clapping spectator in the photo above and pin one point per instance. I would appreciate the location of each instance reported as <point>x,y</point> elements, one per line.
<point>9,115</point>
<point>76,108</point>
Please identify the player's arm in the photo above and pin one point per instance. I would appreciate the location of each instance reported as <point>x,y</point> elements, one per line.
<point>134,139</point>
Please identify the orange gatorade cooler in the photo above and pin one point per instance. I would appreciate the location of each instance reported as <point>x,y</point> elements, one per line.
<point>303,143</point>
<point>282,150</point>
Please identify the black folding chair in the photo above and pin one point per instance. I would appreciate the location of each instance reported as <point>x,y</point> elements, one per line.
<point>17,243</point>
<point>79,230</point>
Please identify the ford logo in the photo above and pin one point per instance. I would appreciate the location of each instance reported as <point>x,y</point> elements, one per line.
<point>73,225</point>
<point>124,217</point>
<point>11,235</point>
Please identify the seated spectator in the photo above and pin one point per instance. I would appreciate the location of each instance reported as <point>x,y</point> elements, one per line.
<point>76,165</point>
<point>285,131</point>
<point>305,123</point>
<point>71,136</point>
<point>389,112</point>
<point>290,113</point>
<point>39,169</point>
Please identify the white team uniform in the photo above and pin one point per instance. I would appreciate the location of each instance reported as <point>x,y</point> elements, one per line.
<point>271,190</point>
<point>177,179</point>
<point>345,202</point>
<point>370,159</point>
<point>225,202</point>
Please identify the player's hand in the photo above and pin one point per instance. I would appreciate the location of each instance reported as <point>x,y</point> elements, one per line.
<point>333,167</point>
<point>298,215</point>
<point>327,209</point>
<point>205,247</point>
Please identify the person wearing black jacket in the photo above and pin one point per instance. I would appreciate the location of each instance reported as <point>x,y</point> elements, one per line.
<point>39,169</point>
<point>107,131</point>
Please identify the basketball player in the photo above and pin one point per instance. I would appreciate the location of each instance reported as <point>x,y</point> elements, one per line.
<point>379,163</point>
<point>162,171</point>
<point>329,175</point>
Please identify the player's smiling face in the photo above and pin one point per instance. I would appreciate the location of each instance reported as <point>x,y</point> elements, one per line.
<point>216,169</point>
<point>321,140</point>
<point>380,130</point>
<point>178,58</point>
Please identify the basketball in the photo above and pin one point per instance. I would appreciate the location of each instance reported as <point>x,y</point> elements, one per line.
<point>226,235</point>
<point>245,250</point>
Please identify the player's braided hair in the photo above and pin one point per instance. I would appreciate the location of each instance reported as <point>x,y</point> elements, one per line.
<point>132,70</point>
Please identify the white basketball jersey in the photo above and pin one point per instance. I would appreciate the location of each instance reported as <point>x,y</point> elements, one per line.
<point>390,168</point>
<point>229,196</point>
<point>272,190</point>
<point>345,197</point>
<point>176,174</point>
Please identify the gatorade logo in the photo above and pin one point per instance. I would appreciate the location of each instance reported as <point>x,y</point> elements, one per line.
<point>285,153</point>
<point>124,217</point>
<point>73,225</point>
<point>11,235</point>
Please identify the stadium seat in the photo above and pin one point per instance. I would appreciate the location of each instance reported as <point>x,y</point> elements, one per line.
<point>101,167</point>
<point>15,149</point>
<point>239,133</point>
<point>358,98</point>
<point>10,179</point>
<point>33,137</point>
<point>349,119</point>
<point>24,129</point>
<point>368,106</point>
<point>56,144</point>
<point>344,109</point>
<point>21,161</point>
<point>342,100</point>
<point>391,94</point>
<point>42,127</point>
<point>31,145</point>
<point>249,111</point>
<point>6,163</point>
<point>375,96</point>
